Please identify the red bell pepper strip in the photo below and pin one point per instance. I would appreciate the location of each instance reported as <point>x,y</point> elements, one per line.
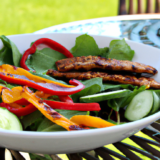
<point>53,104</point>
<point>49,43</point>
<point>22,102</point>
<point>19,111</point>
<point>65,99</point>
<point>12,74</point>
<point>73,106</point>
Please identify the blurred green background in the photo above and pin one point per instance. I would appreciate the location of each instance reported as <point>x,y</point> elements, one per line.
<point>27,16</point>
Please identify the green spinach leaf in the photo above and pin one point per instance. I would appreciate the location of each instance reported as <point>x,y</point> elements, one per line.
<point>113,104</point>
<point>92,86</point>
<point>85,45</point>
<point>32,118</point>
<point>6,56</point>
<point>10,53</point>
<point>117,86</point>
<point>48,126</point>
<point>122,102</point>
<point>119,49</point>
<point>104,52</point>
<point>45,59</point>
<point>70,113</point>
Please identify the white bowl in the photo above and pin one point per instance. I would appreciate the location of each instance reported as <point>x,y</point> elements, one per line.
<point>78,141</point>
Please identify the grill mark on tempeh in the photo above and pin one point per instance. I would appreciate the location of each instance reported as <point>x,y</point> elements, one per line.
<point>124,79</point>
<point>92,62</point>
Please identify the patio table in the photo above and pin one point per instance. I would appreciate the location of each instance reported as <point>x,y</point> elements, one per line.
<point>140,28</point>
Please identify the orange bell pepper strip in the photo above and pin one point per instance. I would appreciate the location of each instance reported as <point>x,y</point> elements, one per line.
<point>12,74</point>
<point>15,105</point>
<point>16,93</point>
<point>41,94</point>
<point>90,121</point>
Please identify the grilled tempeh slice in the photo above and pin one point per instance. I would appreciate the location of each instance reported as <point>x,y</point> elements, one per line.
<point>91,62</point>
<point>124,79</point>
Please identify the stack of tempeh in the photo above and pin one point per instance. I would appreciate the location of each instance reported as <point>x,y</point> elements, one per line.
<point>89,63</point>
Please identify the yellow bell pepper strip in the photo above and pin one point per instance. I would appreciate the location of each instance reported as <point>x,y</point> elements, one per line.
<point>16,93</point>
<point>12,74</point>
<point>90,121</point>
<point>41,94</point>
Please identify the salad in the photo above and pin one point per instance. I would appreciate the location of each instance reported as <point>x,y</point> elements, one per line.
<point>35,100</point>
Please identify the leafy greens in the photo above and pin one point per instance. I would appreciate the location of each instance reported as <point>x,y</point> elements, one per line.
<point>9,54</point>
<point>45,59</point>
<point>120,50</point>
<point>85,45</point>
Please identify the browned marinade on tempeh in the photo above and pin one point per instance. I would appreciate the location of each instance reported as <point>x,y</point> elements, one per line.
<point>124,79</point>
<point>92,62</point>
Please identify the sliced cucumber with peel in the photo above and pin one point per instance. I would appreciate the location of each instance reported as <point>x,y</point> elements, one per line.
<point>9,121</point>
<point>156,103</point>
<point>140,106</point>
<point>105,96</point>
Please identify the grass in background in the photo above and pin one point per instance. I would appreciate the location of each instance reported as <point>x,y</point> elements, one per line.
<point>27,16</point>
<point>21,16</point>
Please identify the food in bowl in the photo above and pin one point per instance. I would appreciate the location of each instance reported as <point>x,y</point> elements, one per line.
<point>82,104</point>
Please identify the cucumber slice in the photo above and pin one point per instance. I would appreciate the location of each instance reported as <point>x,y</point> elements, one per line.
<point>156,103</point>
<point>105,96</point>
<point>140,106</point>
<point>9,120</point>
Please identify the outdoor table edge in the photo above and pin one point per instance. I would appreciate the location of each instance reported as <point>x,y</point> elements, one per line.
<point>102,19</point>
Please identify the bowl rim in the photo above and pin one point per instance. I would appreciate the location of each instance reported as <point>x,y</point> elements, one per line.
<point>83,132</point>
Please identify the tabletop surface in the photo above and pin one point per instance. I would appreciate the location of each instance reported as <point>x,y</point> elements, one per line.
<point>144,28</point>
